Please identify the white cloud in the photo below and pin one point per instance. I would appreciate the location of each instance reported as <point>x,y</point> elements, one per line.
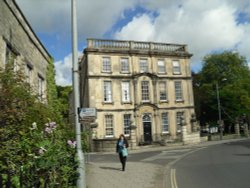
<point>203,26</point>
<point>64,71</point>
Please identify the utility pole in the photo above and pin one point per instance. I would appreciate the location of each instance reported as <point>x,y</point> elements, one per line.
<point>81,183</point>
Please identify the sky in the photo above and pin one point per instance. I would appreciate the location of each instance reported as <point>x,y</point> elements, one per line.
<point>205,26</point>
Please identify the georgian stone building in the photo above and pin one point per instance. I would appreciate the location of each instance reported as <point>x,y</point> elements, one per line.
<point>19,45</point>
<point>145,86</point>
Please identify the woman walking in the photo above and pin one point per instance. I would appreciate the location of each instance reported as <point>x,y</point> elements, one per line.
<point>121,149</point>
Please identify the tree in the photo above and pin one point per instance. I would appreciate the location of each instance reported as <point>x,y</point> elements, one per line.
<point>231,72</point>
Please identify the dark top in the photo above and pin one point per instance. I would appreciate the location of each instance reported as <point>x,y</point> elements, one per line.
<point>120,145</point>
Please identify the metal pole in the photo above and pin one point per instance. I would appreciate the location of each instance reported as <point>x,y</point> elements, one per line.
<point>219,110</point>
<point>81,166</point>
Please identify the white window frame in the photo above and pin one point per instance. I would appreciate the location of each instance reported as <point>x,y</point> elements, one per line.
<point>109,125</point>
<point>125,92</point>
<point>165,122</point>
<point>145,91</point>
<point>126,124</point>
<point>107,91</point>
<point>161,66</point>
<point>124,62</point>
<point>143,65</point>
<point>176,67</point>
<point>178,91</point>
<point>163,91</point>
<point>106,64</point>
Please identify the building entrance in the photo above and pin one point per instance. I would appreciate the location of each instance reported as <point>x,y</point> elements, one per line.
<point>146,119</point>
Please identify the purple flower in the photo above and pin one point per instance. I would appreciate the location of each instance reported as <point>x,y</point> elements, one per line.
<point>72,144</point>
<point>48,130</point>
<point>50,127</point>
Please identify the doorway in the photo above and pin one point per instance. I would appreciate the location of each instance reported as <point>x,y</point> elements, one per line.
<point>147,128</point>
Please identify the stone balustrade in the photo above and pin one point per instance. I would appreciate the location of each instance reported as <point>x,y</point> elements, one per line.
<point>135,45</point>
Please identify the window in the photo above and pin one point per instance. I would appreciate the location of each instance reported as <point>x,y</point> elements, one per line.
<point>127,121</point>
<point>176,67</point>
<point>107,91</point>
<point>143,65</point>
<point>40,87</point>
<point>109,125</point>
<point>125,92</point>
<point>179,116</point>
<point>124,65</point>
<point>178,91</point>
<point>163,91</point>
<point>106,64</point>
<point>161,66</point>
<point>145,90</point>
<point>28,73</point>
<point>164,122</point>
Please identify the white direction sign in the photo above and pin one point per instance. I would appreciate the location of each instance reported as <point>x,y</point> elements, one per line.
<point>87,114</point>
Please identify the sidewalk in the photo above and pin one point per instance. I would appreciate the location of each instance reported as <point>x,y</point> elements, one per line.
<point>137,174</point>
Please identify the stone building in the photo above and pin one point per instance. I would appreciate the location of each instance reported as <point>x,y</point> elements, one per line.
<point>19,45</point>
<point>140,89</point>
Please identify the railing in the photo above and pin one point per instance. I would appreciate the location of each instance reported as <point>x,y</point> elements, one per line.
<point>135,45</point>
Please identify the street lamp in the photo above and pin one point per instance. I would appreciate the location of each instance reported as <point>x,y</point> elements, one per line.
<point>219,109</point>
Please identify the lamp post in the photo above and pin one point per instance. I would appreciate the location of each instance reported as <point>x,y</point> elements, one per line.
<point>219,109</point>
<point>81,183</point>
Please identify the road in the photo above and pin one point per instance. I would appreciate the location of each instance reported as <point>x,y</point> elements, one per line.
<point>220,166</point>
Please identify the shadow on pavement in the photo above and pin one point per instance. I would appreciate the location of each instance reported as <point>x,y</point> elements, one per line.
<point>109,168</point>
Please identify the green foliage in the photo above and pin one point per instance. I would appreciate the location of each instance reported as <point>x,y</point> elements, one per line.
<point>231,72</point>
<point>31,155</point>
<point>63,100</point>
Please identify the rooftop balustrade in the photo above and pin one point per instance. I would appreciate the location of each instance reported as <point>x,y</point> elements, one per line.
<point>135,45</point>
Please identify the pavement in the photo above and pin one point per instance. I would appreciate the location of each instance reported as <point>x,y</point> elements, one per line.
<point>138,174</point>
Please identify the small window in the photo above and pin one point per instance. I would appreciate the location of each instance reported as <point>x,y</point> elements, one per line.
<point>145,91</point>
<point>164,121</point>
<point>28,73</point>
<point>176,67</point>
<point>179,119</point>
<point>107,91</point>
<point>106,64</point>
<point>40,87</point>
<point>143,65</point>
<point>127,121</point>
<point>178,91</point>
<point>163,91</point>
<point>161,66</point>
<point>124,65</point>
<point>109,125</point>
<point>125,92</point>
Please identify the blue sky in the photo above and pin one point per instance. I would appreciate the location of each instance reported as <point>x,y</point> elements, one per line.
<point>205,26</point>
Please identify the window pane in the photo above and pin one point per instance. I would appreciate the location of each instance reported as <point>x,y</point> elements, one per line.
<point>143,65</point>
<point>124,65</point>
<point>40,87</point>
<point>106,65</point>
<point>164,122</point>
<point>178,90</point>
<point>145,90</point>
<point>107,91</point>
<point>125,92</point>
<point>176,67</point>
<point>161,66</point>
<point>127,121</point>
<point>163,91</point>
<point>109,125</point>
<point>179,115</point>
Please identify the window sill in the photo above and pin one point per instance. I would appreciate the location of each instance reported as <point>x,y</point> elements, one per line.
<point>176,73</point>
<point>179,101</point>
<point>109,103</point>
<point>165,133</point>
<point>124,72</point>
<point>107,72</point>
<point>164,101</point>
<point>129,102</point>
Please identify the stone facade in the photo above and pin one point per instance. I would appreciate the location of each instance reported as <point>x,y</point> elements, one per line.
<point>146,86</point>
<point>19,43</point>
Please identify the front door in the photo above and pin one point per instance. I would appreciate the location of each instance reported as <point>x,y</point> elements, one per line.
<point>147,132</point>
<point>146,120</point>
